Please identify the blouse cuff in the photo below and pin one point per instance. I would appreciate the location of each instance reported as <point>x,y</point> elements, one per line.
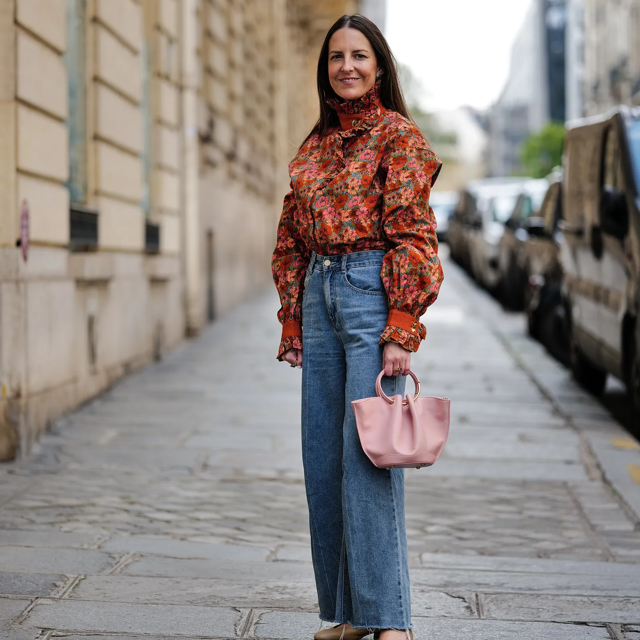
<point>291,337</point>
<point>404,329</point>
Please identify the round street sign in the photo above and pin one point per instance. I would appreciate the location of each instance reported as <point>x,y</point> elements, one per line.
<point>24,230</point>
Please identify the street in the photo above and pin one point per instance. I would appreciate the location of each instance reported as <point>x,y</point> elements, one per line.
<point>173,504</point>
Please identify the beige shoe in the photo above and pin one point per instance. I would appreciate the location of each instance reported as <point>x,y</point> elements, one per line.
<point>341,632</point>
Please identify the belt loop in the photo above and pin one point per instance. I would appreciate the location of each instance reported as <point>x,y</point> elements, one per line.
<point>312,261</point>
<point>344,262</point>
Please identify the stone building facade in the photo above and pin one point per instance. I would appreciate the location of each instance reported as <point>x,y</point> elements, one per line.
<point>534,92</point>
<point>612,54</point>
<point>143,155</point>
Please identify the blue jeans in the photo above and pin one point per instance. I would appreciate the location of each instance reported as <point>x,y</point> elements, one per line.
<point>356,511</point>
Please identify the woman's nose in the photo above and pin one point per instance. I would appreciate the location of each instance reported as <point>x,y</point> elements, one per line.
<point>347,64</point>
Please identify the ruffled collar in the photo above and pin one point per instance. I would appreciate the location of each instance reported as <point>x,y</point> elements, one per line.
<point>353,113</point>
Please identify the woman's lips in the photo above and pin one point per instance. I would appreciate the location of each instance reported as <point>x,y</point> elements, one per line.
<point>348,80</point>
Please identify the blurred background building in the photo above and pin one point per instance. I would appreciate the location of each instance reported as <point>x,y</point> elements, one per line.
<point>462,149</point>
<point>612,54</point>
<point>575,52</point>
<point>143,155</point>
<point>571,58</point>
<point>534,92</point>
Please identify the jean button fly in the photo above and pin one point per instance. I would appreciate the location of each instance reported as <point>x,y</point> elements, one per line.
<point>327,263</point>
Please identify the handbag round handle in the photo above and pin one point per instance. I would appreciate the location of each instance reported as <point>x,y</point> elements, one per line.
<point>382,394</point>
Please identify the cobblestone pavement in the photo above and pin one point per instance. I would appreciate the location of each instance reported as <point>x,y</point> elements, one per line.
<point>173,505</point>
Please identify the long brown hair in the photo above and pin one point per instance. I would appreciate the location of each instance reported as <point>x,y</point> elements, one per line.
<point>390,91</point>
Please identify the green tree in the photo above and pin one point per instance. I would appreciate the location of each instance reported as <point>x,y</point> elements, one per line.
<point>542,151</point>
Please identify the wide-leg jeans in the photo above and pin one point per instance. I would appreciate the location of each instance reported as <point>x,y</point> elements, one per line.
<point>356,511</point>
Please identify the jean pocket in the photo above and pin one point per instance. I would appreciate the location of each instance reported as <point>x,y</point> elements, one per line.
<point>365,279</point>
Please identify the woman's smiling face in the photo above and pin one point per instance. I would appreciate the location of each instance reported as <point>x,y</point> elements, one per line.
<point>352,64</point>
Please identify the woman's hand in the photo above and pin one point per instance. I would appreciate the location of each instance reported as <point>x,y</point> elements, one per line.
<point>395,359</point>
<point>293,357</point>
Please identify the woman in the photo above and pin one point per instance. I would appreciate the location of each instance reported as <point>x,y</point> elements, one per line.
<point>356,266</point>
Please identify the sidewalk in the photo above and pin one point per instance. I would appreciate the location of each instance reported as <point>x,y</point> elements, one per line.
<point>173,506</point>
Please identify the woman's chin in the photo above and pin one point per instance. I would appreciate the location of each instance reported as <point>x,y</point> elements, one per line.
<point>350,93</point>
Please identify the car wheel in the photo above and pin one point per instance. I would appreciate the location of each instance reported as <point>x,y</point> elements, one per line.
<point>552,331</point>
<point>532,325</point>
<point>532,316</point>
<point>512,293</point>
<point>586,374</point>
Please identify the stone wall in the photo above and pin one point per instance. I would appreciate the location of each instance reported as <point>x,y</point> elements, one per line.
<point>173,116</point>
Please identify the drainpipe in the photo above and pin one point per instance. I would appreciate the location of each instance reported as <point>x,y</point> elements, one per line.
<point>191,249</point>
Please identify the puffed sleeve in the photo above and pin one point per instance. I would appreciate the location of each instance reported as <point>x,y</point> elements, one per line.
<point>289,262</point>
<point>411,271</point>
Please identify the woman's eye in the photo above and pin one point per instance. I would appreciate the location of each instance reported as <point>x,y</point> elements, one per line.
<point>335,56</point>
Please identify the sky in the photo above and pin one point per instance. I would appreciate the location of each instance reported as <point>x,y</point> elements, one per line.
<point>458,49</point>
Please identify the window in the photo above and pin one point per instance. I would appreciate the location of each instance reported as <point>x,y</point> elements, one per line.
<point>527,208</point>
<point>502,208</point>
<point>633,132</point>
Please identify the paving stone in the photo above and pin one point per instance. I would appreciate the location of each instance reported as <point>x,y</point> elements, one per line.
<point>628,632</point>
<point>294,554</point>
<point>560,608</point>
<point>509,470</point>
<point>442,605</point>
<point>532,583</point>
<point>49,539</point>
<point>184,549</point>
<point>126,459</point>
<point>112,637</point>
<point>262,593</point>
<point>134,619</point>
<point>19,634</point>
<point>28,584</point>
<point>289,625</point>
<point>463,446</point>
<point>69,561</point>
<point>449,629</point>
<point>231,440</point>
<point>528,565</point>
<point>221,569</point>
<point>11,608</point>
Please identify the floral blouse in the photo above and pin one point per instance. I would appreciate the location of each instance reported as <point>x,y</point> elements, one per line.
<point>363,186</point>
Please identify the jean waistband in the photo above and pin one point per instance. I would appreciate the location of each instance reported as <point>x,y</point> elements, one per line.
<point>344,260</point>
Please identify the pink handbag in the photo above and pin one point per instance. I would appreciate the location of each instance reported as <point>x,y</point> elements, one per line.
<point>397,433</point>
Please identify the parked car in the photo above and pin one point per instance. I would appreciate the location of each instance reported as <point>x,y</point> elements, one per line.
<point>512,266</point>
<point>601,253</point>
<point>495,204</point>
<point>443,204</point>
<point>458,225</point>
<point>467,216</point>
<point>546,319</point>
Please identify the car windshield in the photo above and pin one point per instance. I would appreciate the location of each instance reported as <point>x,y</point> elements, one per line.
<point>634,146</point>
<point>502,207</point>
